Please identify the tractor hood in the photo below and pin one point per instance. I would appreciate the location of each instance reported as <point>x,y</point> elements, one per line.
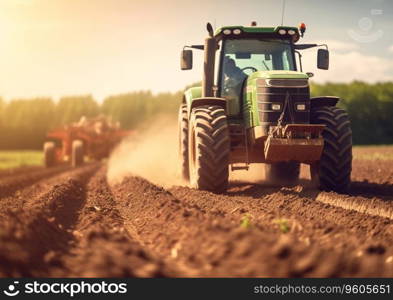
<point>277,74</point>
<point>276,78</point>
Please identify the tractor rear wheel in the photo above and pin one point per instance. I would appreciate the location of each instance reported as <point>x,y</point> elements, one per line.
<point>209,148</point>
<point>183,142</point>
<point>282,173</point>
<point>333,171</point>
<point>77,158</point>
<point>49,154</point>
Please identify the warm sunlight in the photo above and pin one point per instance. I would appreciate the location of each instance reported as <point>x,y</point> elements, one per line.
<point>57,47</point>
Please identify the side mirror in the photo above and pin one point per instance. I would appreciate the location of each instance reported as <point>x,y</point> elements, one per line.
<point>186,60</point>
<point>323,59</point>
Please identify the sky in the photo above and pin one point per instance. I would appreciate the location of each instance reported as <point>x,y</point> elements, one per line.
<point>103,47</point>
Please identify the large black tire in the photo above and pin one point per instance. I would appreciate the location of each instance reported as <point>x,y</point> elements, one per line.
<point>49,154</point>
<point>333,171</point>
<point>209,148</point>
<point>77,157</point>
<point>183,142</point>
<point>282,173</point>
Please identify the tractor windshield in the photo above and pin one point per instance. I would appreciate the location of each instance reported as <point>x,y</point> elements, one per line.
<point>242,57</point>
<point>259,55</point>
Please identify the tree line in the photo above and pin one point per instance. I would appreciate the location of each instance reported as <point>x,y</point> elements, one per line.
<point>370,107</point>
<point>25,122</point>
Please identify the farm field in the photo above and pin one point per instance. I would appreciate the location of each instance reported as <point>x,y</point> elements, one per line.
<point>71,222</point>
<point>16,159</point>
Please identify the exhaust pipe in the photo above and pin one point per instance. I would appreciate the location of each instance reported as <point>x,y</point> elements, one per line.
<point>209,62</point>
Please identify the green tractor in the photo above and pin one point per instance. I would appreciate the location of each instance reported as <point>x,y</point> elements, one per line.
<point>254,106</point>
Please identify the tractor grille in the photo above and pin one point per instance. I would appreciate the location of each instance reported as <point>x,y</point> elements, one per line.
<point>287,83</point>
<point>269,97</point>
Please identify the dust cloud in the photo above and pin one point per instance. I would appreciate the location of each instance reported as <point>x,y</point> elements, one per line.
<point>153,154</point>
<point>255,174</point>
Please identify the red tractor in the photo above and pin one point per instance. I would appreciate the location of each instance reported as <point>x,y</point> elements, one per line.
<point>89,138</point>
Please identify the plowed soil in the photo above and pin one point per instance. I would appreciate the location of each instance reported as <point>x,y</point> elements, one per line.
<point>71,222</point>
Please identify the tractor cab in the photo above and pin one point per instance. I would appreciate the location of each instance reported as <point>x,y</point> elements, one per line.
<point>241,53</point>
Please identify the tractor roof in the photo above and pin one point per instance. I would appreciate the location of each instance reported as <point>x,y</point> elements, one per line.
<point>253,31</point>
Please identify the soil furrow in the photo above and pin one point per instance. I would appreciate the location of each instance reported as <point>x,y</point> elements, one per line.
<point>33,193</point>
<point>65,222</point>
<point>102,246</point>
<point>374,206</point>
<point>298,203</point>
<point>32,237</point>
<point>11,184</point>
<point>21,170</point>
<point>203,235</point>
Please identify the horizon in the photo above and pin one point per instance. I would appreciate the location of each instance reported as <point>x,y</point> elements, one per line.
<point>158,93</point>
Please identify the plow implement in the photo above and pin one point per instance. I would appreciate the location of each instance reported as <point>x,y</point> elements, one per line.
<point>295,142</point>
<point>93,139</point>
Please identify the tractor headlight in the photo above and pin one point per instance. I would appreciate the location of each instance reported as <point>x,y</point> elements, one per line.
<point>282,31</point>
<point>237,31</point>
<point>291,32</point>
<point>300,106</point>
<point>276,106</point>
<point>227,31</point>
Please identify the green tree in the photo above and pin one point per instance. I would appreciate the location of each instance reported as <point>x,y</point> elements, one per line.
<point>25,123</point>
<point>72,108</point>
<point>370,107</point>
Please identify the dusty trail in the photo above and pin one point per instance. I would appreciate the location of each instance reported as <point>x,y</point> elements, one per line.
<point>71,222</point>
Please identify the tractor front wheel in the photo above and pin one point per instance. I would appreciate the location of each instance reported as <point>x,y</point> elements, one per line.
<point>183,142</point>
<point>209,148</point>
<point>49,154</point>
<point>77,158</point>
<point>333,171</point>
